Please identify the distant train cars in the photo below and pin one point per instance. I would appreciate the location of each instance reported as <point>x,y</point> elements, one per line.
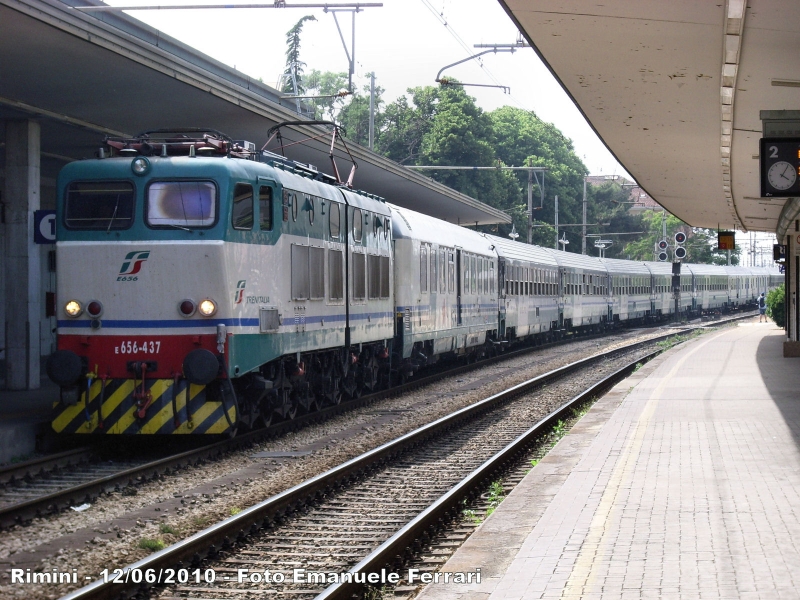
<point>203,286</point>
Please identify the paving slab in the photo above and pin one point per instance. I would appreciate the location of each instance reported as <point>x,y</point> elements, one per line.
<point>682,482</point>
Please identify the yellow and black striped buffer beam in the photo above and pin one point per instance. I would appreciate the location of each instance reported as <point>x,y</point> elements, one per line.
<point>123,406</point>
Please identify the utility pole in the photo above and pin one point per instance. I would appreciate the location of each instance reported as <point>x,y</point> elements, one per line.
<point>530,204</point>
<point>556,244</point>
<point>583,231</point>
<point>371,109</point>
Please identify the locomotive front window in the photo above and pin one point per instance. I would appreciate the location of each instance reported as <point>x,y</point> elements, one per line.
<point>182,204</point>
<point>102,205</point>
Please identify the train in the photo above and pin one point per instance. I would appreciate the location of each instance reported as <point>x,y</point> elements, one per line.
<point>204,286</point>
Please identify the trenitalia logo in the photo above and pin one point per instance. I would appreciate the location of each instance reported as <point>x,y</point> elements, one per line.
<point>238,295</point>
<point>133,262</point>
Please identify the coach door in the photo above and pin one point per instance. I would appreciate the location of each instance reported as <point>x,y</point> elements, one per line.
<point>459,283</point>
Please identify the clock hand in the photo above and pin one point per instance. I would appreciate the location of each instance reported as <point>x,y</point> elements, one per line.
<point>784,172</point>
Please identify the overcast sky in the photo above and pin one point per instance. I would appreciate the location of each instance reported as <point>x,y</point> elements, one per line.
<point>404,42</point>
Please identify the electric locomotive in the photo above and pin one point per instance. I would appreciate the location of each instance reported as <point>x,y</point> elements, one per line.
<point>202,285</point>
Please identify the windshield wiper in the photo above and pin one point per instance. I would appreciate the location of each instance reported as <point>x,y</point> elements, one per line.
<point>180,227</point>
<point>113,216</point>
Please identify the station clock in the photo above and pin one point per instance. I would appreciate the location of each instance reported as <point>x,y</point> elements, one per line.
<point>780,167</point>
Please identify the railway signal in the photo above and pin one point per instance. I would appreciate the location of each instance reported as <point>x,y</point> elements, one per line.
<point>661,250</point>
<point>680,251</point>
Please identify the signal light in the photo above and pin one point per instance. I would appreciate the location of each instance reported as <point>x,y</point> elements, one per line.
<point>662,245</point>
<point>680,252</point>
<point>186,308</point>
<point>680,237</point>
<point>662,256</point>
<point>94,308</point>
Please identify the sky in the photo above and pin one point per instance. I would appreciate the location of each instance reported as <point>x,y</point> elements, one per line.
<point>405,42</point>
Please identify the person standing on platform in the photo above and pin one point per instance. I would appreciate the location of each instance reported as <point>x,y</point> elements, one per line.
<point>762,308</point>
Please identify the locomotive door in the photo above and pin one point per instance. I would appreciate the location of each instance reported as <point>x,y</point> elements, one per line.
<point>459,291</point>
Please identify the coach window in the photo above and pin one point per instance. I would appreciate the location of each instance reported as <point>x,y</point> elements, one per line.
<point>103,205</point>
<point>442,270</point>
<point>265,208</point>
<point>423,268</point>
<point>451,272</point>
<point>335,220</point>
<point>434,264</point>
<point>357,224</point>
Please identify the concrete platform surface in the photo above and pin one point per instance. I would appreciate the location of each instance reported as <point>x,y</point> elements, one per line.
<point>682,482</point>
<point>24,418</point>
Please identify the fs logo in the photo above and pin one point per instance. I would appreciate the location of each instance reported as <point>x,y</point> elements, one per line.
<point>238,295</point>
<point>132,265</point>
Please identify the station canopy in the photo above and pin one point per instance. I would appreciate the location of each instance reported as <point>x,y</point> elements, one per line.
<point>675,89</point>
<point>84,76</point>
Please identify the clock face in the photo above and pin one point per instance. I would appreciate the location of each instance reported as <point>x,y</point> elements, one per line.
<point>781,175</point>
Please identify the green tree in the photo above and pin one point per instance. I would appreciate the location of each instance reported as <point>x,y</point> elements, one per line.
<point>293,73</point>
<point>776,307</point>
<point>326,86</point>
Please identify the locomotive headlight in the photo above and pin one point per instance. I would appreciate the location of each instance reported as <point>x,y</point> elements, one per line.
<point>207,307</point>
<point>73,308</point>
<point>140,165</point>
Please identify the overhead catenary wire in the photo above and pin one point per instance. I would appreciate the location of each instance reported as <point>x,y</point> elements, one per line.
<point>440,17</point>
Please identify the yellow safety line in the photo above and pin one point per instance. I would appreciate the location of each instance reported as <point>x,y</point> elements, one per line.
<point>584,572</point>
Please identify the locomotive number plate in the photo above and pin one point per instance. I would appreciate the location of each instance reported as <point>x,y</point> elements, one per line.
<point>134,347</point>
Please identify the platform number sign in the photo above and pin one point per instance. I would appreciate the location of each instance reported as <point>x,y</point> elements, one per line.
<point>780,167</point>
<point>44,226</point>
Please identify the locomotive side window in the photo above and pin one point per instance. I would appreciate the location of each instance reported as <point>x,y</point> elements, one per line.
<point>385,268</point>
<point>311,207</point>
<point>242,210</point>
<point>181,204</point>
<point>294,201</point>
<point>359,276</point>
<point>300,283</point>
<point>472,261</point>
<point>335,220</point>
<point>357,224</point>
<point>335,273</point>
<point>374,276</point>
<point>316,272</point>
<point>491,277</point>
<point>102,205</point>
<point>265,208</point>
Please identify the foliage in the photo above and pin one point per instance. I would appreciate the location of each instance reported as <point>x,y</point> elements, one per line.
<point>151,544</point>
<point>293,74</point>
<point>496,495</point>
<point>776,307</point>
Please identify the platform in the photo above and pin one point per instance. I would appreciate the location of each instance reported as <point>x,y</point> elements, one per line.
<point>25,419</point>
<point>682,482</point>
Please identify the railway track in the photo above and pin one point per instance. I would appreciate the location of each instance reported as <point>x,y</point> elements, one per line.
<point>375,511</point>
<point>53,483</point>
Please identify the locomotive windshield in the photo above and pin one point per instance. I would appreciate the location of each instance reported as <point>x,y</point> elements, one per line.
<point>101,205</point>
<point>181,204</point>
